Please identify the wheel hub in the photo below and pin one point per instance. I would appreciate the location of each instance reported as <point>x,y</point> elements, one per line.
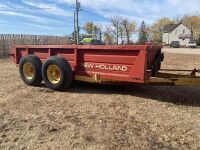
<point>53,74</point>
<point>28,71</point>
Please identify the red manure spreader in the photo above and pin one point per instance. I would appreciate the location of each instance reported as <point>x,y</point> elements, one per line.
<point>59,65</point>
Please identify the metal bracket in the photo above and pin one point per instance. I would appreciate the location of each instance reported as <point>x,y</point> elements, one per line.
<point>97,78</point>
<point>194,71</point>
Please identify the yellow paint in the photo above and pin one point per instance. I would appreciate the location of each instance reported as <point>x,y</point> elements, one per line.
<point>95,79</point>
<point>53,74</point>
<point>87,79</point>
<point>162,79</point>
<point>174,79</point>
<point>28,71</point>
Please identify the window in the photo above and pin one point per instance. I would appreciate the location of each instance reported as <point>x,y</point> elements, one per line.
<point>183,31</point>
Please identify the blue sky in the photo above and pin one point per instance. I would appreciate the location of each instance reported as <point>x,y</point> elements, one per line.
<point>55,17</point>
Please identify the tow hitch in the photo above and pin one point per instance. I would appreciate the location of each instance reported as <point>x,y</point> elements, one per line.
<point>164,78</point>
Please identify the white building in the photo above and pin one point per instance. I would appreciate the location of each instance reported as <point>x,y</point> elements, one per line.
<point>176,32</point>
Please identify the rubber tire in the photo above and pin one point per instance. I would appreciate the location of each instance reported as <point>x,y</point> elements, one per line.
<point>37,65</point>
<point>66,73</point>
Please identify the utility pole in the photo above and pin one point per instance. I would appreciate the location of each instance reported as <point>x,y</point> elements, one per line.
<point>77,21</point>
<point>75,35</point>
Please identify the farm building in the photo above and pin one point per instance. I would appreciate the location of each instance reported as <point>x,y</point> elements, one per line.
<point>176,32</point>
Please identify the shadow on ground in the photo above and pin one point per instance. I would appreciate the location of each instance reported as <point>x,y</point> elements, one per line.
<point>186,96</point>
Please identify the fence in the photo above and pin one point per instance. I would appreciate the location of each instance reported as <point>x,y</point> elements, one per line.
<point>7,40</point>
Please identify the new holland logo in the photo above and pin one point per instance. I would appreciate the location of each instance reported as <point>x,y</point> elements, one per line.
<point>105,67</point>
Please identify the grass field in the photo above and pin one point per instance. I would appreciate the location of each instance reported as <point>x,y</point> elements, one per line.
<point>91,116</point>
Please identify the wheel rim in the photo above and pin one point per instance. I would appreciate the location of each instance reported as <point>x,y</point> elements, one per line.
<point>28,71</point>
<point>53,74</point>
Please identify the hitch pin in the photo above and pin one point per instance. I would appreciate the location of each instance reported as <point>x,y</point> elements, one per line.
<point>193,73</point>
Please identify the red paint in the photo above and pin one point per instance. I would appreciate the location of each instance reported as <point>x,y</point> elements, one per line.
<point>122,63</point>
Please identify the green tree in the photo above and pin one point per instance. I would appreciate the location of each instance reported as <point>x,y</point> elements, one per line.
<point>73,37</point>
<point>142,34</point>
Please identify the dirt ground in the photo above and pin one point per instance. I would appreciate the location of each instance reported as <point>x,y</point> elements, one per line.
<point>182,50</point>
<point>91,116</point>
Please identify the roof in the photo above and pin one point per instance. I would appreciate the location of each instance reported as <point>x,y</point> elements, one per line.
<point>170,28</point>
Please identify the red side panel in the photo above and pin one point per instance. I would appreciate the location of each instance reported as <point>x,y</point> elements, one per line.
<point>116,64</point>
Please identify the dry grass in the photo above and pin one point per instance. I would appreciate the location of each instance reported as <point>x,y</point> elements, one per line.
<point>91,116</point>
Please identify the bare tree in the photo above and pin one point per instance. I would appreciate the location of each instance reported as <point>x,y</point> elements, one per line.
<point>108,35</point>
<point>121,34</point>
<point>116,23</point>
<point>192,22</point>
<point>178,19</point>
<point>129,28</point>
<point>98,31</point>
